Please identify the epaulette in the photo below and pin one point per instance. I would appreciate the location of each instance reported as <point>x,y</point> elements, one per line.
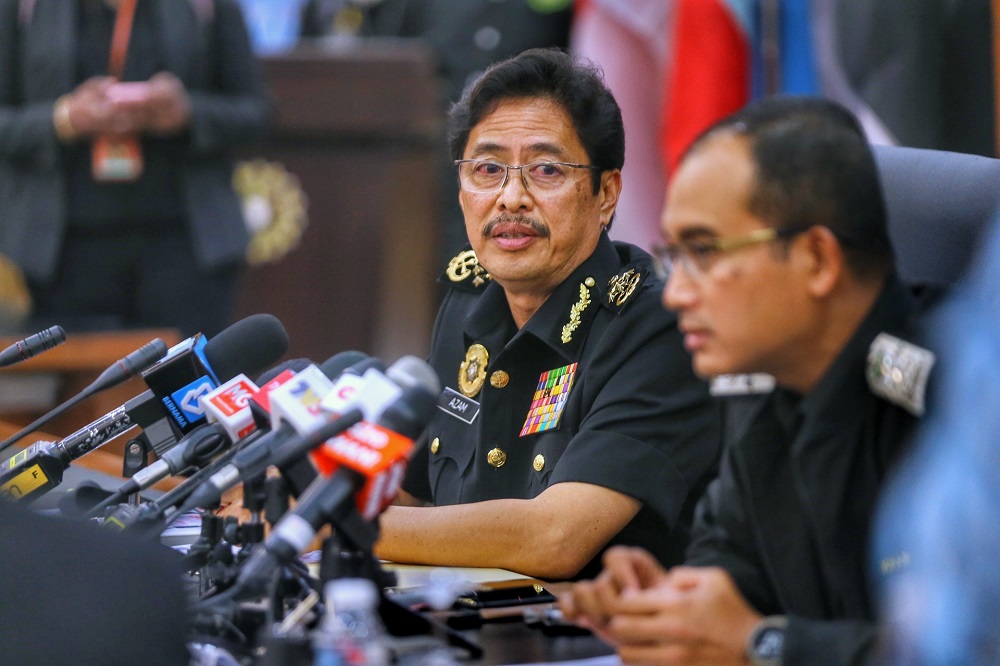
<point>623,286</point>
<point>897,371</point>
<point>465,272</point>
<point>749,384</point>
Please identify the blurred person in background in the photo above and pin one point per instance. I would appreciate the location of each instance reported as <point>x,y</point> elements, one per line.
<point>116,198</point>
<point>936,537</point>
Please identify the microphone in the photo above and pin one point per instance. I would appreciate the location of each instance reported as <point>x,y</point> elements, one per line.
<point>369,461</point>
<point>195,449</point>
<point>255,342</point>
<point>228,411</point>
<point>22,350</point>
<point>255,448</point>
<point>294,408</point>
<point>187,373</point>
<point>115,374</point>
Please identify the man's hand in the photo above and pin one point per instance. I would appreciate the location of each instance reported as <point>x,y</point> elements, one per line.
<point>168,109</point>
<point>158,106</point>
<point>592,604</point>
<point>687,616</point>
<point>90,111</point>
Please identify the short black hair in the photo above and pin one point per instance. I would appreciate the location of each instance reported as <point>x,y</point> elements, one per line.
<point>576,86</point>
<point>814,166</point>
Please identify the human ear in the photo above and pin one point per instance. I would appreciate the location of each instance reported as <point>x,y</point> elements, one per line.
<point>611,189</point>
<point>822,259</point>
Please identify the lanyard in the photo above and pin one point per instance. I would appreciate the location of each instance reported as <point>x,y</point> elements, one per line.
<point>120,37</point>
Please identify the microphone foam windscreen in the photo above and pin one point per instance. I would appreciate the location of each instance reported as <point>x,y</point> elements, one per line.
<point>334,366</point>
<point>413,372</point>
<point>296,365</point>
<point>249,346</point>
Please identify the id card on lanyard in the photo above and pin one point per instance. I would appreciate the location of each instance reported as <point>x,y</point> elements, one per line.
<point>118,158</point>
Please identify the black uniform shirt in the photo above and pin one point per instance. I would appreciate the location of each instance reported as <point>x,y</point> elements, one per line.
<point>635,419</point>
<point>790,513</point>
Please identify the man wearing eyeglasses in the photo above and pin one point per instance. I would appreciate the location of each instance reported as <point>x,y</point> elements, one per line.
<point>571,417</point>
<point>779,262</point>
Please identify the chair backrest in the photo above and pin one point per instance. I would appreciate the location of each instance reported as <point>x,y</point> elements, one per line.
<point>938,204</point>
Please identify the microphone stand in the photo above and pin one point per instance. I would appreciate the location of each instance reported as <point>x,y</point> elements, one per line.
<point>348,553</point>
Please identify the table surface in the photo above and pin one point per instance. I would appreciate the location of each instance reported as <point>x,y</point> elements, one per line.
<point>507,640</point>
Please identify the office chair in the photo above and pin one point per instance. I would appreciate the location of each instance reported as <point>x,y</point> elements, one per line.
<point>938,205</point>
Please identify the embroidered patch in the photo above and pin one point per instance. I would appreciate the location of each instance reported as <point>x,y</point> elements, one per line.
<point>549,400</point>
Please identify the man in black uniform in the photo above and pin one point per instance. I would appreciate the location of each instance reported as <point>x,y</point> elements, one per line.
<point>781,264</point>
<point>571,416</point>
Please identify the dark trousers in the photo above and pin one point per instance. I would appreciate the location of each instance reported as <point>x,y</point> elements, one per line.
<point>134,278</point>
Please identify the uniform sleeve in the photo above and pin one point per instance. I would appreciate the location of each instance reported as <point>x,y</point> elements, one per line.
<point>721,537</point>
<point>650,429</point>
<point>235,107</point>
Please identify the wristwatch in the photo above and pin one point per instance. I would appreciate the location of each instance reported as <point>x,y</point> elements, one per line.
<point>766,643</point>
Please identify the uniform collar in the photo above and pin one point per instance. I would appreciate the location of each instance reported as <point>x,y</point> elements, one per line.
<point>843,387</point>
<point>566,305</point>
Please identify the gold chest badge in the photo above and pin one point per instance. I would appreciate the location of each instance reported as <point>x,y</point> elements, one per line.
<point>472,371</point>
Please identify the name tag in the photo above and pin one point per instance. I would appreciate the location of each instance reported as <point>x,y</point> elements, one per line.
<point>455,404</point>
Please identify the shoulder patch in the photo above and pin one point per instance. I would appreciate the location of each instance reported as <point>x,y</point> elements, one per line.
<point>464,270</point>
<point>897,371</point>
<point>623,286</point>
<point>750,384</point>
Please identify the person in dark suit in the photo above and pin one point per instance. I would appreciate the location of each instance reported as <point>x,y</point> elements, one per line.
<point>116,198</point>
<point>77,594</point>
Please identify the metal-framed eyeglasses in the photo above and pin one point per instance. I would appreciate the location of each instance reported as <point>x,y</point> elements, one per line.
<point>696,256</point>
<point>487,177</point>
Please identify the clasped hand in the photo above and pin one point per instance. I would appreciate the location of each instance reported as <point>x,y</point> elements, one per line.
<point>687,615</point>
<point>103,105</point>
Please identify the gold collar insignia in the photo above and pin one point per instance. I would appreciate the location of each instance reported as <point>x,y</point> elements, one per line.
<point>621,287</point>
<point>464,265</point>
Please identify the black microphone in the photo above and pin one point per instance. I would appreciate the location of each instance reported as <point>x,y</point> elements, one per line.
<point>255,342</point>
<point>22,350</point>
<point>115,374</point>
<point>194,367</point>
<point>195,449</point>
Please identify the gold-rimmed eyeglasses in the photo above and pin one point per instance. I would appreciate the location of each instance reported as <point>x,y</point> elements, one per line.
<point>695,256</point>
<point>487,177</point>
